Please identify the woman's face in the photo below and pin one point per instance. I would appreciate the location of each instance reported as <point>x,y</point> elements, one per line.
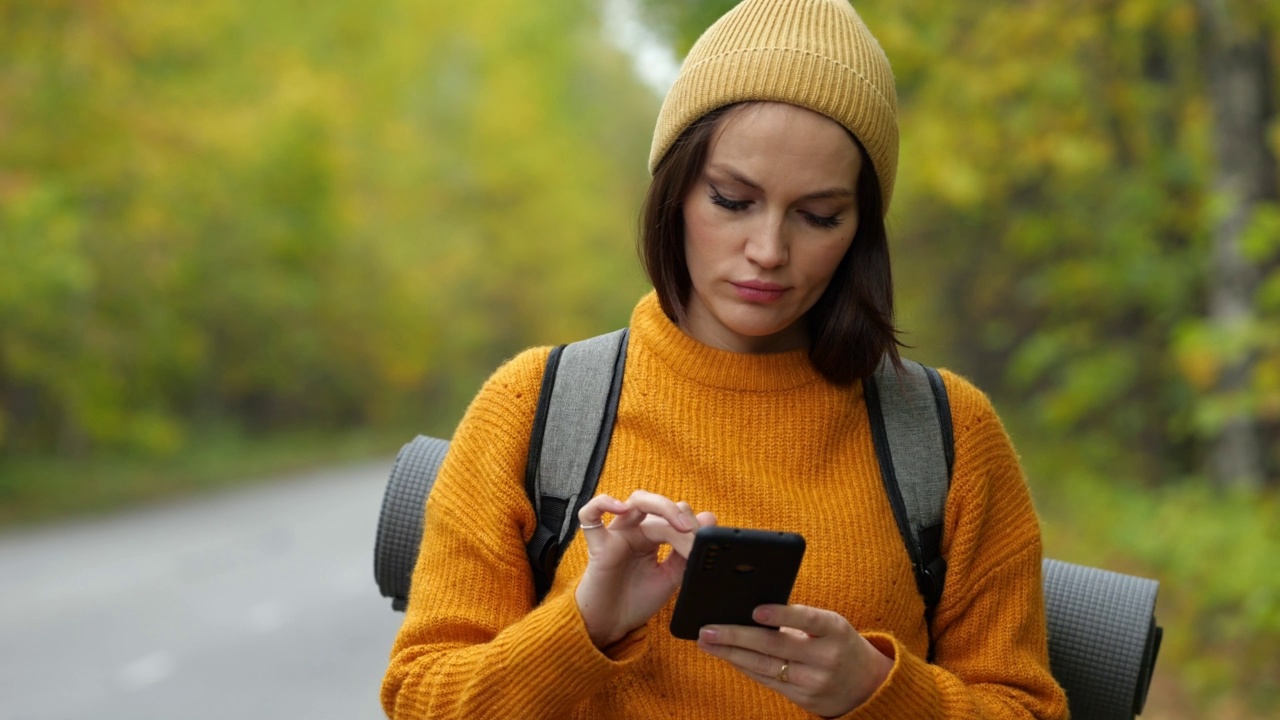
<point>766,224</point>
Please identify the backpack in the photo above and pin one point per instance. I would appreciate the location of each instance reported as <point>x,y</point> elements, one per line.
<point>1103,637</point>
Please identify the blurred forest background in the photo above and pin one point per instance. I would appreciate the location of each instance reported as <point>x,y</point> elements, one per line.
<point>235,237</point>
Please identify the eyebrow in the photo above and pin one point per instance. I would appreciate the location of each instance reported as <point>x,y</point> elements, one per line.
<point>835,192</point>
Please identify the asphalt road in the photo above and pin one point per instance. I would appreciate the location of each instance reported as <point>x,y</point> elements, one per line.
<point>257,603</point>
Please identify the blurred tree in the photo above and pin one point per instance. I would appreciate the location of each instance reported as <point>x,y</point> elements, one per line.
<point>275,215</point>
<point>1240,80</point>
<point>279,215</point>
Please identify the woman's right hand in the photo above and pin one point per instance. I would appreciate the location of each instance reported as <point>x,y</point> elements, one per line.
<point>625,584</point>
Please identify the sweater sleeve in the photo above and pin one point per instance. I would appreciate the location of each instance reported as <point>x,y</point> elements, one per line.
<point>991,641</point>
<point>472,645</point>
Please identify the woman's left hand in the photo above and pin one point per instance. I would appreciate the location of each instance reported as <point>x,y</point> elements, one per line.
<point>830,669</point>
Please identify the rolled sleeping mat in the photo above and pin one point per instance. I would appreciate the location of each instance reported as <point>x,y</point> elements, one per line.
<point>1103,638</point>
<point>400,523</point>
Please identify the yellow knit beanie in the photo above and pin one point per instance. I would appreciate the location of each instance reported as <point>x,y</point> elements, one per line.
<point>817,54</point>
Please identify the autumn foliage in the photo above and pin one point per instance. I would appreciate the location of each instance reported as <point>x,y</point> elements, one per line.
<point>338,214</point>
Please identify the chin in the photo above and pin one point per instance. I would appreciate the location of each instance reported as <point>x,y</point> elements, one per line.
<point>771,335</point>
<point>757,333</point>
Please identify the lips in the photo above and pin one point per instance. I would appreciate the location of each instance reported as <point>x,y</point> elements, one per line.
<point>758,290</point>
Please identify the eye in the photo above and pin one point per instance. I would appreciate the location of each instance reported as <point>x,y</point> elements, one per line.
<point>726,203</point>
<point>823,221</point>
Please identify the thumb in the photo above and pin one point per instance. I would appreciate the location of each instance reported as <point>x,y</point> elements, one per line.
<point>673,568</point>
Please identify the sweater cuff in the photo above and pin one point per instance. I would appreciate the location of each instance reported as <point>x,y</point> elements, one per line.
<point>571,667</point>
<point>561,664</point>
<point>629,649</point>
<point>909,690</point>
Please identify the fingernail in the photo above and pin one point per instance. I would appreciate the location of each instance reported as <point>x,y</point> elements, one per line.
<point>709,633</point>
<point>761,615</point>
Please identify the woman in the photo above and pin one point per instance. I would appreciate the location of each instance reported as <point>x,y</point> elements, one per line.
<point>773,160</point>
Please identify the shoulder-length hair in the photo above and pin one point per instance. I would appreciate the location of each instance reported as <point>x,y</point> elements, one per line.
<point>851,326</point>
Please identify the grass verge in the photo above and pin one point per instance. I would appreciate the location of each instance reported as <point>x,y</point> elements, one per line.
<point>44,488</point>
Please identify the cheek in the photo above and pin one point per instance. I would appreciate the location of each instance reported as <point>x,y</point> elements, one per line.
<point>696,224</point>
<point>821,266</point>
<point>702,237</point>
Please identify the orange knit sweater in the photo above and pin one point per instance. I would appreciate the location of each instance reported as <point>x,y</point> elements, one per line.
<point>763,441</point>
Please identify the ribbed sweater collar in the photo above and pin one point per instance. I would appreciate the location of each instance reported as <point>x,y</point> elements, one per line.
<point>653,332</point>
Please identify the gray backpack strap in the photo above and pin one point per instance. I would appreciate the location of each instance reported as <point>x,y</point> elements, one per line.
<point>572,427</point>
<point>1103,636</point>
<point>911,429</point>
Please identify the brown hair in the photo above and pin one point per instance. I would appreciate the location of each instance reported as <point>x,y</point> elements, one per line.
<point>850,327</point>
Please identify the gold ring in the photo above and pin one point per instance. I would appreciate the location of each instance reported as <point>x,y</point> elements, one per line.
<point>597,526</point>
<point>782,674</point>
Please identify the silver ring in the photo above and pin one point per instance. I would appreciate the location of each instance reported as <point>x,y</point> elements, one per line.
<point>782,674</point>
<point>597,526</point>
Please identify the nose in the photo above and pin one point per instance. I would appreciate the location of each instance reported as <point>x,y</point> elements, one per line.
<point>766,245</point>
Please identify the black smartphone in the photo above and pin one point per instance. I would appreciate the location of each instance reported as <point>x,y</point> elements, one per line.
<point>730,572</point>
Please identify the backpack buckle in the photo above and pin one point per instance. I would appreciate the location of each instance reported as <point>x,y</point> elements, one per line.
<point>931,580</point>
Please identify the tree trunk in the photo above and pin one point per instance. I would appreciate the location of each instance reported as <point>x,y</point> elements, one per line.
<point>1237,73</point>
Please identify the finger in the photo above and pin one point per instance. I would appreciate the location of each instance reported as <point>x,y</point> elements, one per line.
<point>680,517</point>
<point>592,513</point>
<point>591,516</point>
<point>630,518</point>
<point>762,667</point>
<point>674,566</point>
<point>797,682</point>
<point>810,621</point>
<point>766,668</point>
<point>761,641</point>
<point>658,530</point>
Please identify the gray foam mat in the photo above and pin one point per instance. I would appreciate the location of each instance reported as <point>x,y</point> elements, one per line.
<point>1102,638</point>
<point>400,522</point>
